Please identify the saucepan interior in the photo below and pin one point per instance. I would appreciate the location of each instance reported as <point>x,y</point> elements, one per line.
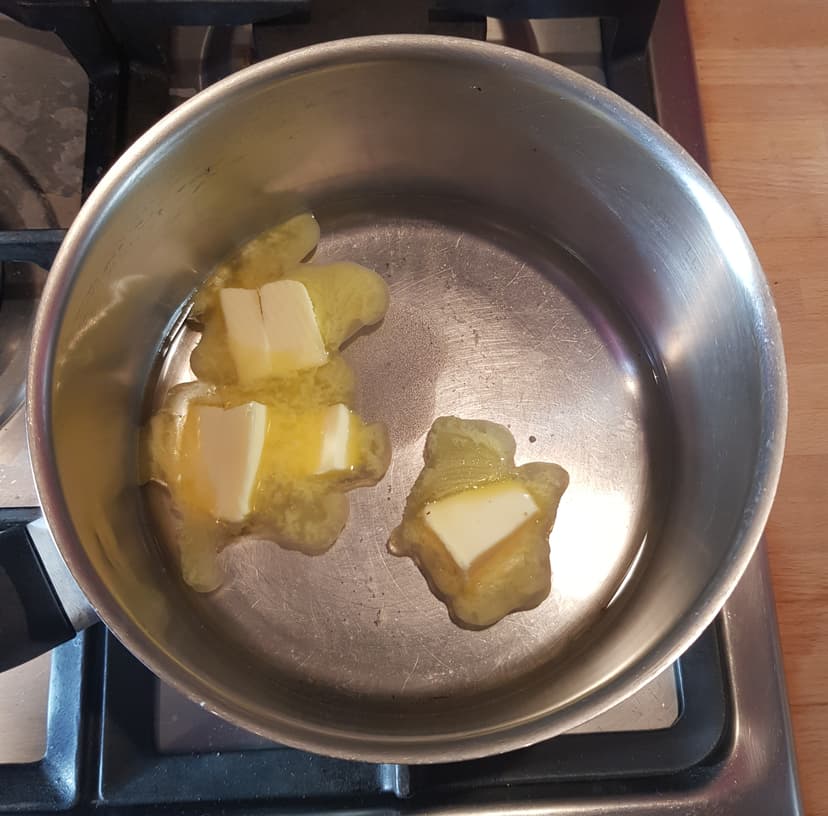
<point>555,263</point>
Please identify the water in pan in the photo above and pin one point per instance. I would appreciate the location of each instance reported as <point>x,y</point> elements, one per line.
<point>486,321</point>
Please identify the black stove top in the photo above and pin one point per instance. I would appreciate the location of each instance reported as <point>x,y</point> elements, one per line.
<point>115,739</point>
<point>127,739</point>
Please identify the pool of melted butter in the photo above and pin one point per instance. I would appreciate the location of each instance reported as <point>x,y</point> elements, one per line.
<point>515,573</point>
<point>291,504</point>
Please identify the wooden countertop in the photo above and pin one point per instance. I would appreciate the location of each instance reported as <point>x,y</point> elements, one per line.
<point>763,75</point>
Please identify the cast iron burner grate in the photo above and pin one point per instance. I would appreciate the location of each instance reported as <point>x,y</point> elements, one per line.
<point>136,771</point>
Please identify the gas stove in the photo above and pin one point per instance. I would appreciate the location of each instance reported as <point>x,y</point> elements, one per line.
<point>87,727</point>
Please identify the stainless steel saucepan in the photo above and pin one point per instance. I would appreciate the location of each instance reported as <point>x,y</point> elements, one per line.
<point>556,264</point>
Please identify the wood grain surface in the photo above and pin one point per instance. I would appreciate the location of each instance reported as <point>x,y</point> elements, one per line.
<point>763,75</point>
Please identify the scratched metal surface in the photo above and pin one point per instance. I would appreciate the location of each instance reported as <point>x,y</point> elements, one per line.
<point>42,126</point>
<point>24,697</point>
<point>486,321</point>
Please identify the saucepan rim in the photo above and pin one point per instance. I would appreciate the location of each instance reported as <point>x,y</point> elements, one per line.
<point>384,748</point>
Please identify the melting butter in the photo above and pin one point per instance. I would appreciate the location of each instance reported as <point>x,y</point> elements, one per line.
<point>476,525</point>
<point>294,497</point>
<point>272,402</point>
<point>344,297</point>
